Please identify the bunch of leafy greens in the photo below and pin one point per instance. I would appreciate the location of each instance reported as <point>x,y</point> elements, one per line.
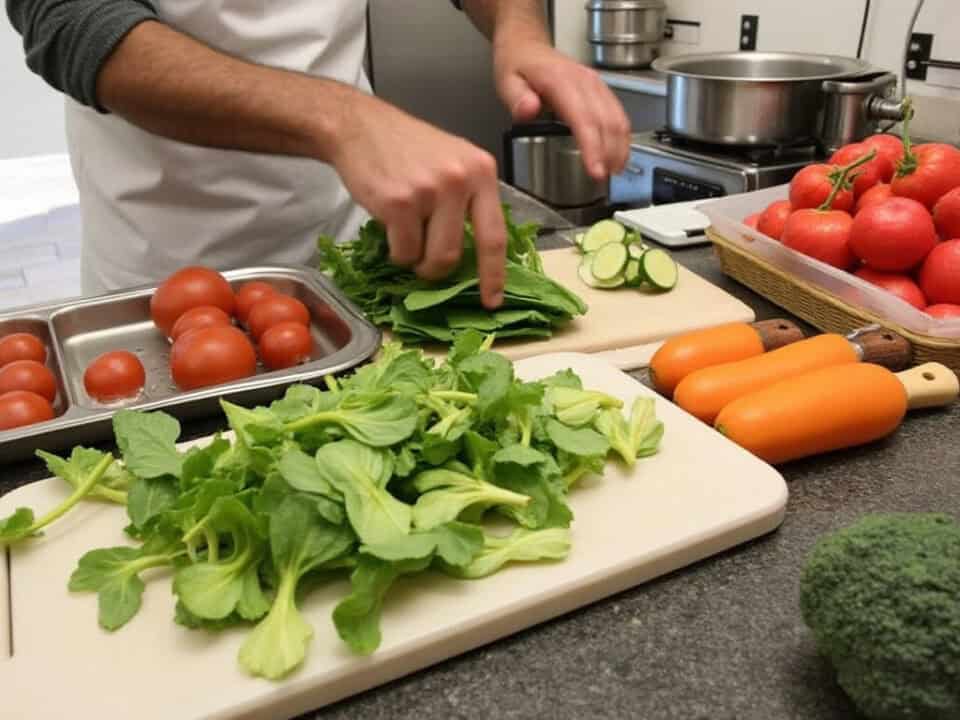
<point>418,311</point>
<point>393,470</point>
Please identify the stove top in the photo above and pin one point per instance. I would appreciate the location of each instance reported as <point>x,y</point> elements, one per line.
<point>801,151</point>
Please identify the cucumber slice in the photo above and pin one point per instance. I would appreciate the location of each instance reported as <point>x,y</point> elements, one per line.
<point>602,233</point>
<point>659,269</point>
<point>636,250</point>
<point>631,275</point>
<point>610,261</point>
<point>588,278</point>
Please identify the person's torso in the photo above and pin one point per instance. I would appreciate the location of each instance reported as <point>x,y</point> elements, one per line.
<point>151,205</point>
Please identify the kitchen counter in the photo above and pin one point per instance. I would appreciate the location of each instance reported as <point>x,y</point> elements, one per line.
<point>720,640</point>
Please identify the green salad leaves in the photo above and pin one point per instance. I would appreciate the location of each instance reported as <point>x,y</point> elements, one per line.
<point>395,470</point>
<point>418,311</point>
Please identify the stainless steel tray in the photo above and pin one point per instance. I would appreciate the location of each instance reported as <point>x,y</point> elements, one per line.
<point>78,331</point>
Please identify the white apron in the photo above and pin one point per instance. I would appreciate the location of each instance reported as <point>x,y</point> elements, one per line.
<point>152,205</point>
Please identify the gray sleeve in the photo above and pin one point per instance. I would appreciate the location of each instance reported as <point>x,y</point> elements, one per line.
<point>67,41</point>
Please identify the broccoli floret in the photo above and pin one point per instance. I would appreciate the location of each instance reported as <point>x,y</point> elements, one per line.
<point>882,598</point>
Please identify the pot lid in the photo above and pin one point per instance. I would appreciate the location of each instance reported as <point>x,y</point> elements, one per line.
<point>761,66</point>
<point>626,4</point>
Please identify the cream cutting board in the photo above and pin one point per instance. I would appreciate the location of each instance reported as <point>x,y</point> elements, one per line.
<point>625,325</point>
<point>699,496</point>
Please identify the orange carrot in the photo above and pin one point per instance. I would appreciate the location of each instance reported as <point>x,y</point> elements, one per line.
<point>828,409</point>
<point>681,355</point>
<point>704,393</point>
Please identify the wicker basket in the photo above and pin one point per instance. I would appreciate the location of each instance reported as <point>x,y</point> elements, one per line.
<point>821,309</point>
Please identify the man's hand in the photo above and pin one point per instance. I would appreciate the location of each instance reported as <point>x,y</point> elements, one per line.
<point>421,183</point>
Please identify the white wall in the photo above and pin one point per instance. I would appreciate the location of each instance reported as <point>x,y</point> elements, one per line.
<point>31,118</point>
<point>820,26</point>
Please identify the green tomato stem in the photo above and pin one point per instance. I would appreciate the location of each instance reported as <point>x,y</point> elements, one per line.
<point>908,164</point>
<point>82,490</point>
<point>840,180</point>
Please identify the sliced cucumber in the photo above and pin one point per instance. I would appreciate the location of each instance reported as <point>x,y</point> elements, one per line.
<point>610,261</point>
<point>603,233</point>
<point>636,250</point>
<point>588,278</point>
<point>631,275</point>
<point>659,269</point>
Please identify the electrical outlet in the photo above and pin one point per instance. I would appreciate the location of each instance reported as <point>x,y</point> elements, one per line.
<point>748,31</point>
<point>921,45</point>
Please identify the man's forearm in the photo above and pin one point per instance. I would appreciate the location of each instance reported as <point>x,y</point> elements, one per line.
<point>509,20</point>
<point>174,86</point>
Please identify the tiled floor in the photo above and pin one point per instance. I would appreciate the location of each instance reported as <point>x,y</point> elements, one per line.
<point>39,232</point>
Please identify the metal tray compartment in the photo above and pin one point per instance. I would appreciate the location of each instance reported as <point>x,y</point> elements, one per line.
<point>77,332</point>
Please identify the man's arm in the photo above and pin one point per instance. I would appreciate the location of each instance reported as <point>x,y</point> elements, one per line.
<point>530,72</point>
<point>419,181</point>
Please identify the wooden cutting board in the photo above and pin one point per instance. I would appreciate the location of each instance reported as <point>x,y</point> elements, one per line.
<point>699,496</point>
<point>626,325</point>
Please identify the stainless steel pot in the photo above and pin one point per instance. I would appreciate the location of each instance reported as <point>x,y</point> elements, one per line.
<point>625,34</point>
<point>751,98</point>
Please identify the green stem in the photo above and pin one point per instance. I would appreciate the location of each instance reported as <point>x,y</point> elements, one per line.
<point>213,545</point>
<point>82,489</point>
<point>310,420</point>
<point>331,383</point>
<point>454,396</point>
<point>908,164</point>
<point>840,180</point>
<point>151,561</point>
<point>115,496</point>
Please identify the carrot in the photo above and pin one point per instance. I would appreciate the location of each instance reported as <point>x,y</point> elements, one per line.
<point>827,409</point>
<point>681,355</point>
<point>704,393</point>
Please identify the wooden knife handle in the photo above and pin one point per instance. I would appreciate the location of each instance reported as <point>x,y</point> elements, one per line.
<point>929,385</point>
<point>777,333</point>
<point>884,347</point>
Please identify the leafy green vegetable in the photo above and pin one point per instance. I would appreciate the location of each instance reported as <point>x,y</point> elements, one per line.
<point>417,311</point>
<point>112,487</point>
<point>520,546</point>
<point>640,437</point>
<point>149,498</point>
<point>582,441</point>
<point>147,442</point>
<point>445,494</point>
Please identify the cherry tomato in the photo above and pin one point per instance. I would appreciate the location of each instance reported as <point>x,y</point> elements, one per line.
<point>189,288</point>
<point>877,194</point>
<point>211,356</point>
<point>285,344</point>
<point>868,174</point>
<point>891,147</point>
<point>928,173</point>
<point>811,186</point>
<point>900,285</point>
<point>114,376</point>
<point>21,346</point>
<point>273,310</point>
<point>946,216</point>
<point>943,310</point>
<point>21,407</point>
<point>774,217</point>
<point>28,375</point>
<point>198,317</point>
<point>820,234</point>
<point>250,294</point>
<point>894,235</point>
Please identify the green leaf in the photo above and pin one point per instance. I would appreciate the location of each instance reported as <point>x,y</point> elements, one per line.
<point>361,474</point>
<point>199,462</point>
<point>149,498</point>
<point>446,494</point>
<point>521,546</point>
<point>148,443</point>
<point>645,430</point>
<point>378,419</point>
<point>578,407</point>
<point>530,472</point>
<point>302,473</point>
<point>583,441</point>
<point>564,378</point>
<point>17,525</point>
<point>454,542</point>
<point>299,401</point>
<point>252,603</point>
<point>82,461</point>
<point>257,426</point>
<point>611,423</point>
<point>423,299</point>
<point>491,377</point>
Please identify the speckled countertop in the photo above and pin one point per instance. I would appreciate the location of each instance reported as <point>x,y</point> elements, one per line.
<point>719,640</point>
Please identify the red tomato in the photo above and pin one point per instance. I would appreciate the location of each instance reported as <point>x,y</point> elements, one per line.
<point>928,173</point>
<point>198,317</point>
<point>811,186</point>
<point>902,286</point>
<point>285,344</point>
<point>943,310</point>
<point>868,174</point>
<point>946,215</point>
<point>940,274</point>
<point>894,235</point>
<point>21,346</point>
<point>28,375</point>
<point>211,356</point>
<point>114,376</point>
<point>821,234</point>
<point>877,194</point>
<point>189,288</point>
<point>891,147</point>
<point>273,310</point>
<point>751,220</point>
<point>21,407</point>
<point>250,294</point>
<point>774,217</point>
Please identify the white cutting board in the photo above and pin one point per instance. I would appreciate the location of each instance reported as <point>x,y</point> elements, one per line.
<point>625,325</point>
<point>699,496</point>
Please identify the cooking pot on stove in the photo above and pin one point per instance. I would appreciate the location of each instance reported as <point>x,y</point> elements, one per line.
<point>775,98</point>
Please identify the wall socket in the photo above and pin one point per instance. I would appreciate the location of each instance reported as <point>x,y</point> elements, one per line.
<point>748,31</point>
